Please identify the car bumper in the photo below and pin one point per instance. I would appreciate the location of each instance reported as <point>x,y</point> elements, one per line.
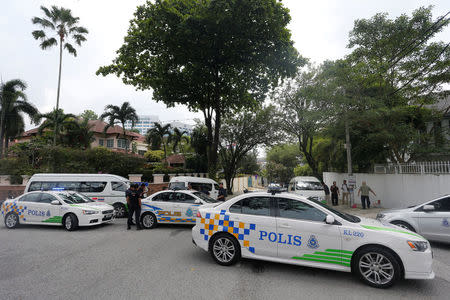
<point>199,239</point>
<point>418,265</point>
<point>92,220</point>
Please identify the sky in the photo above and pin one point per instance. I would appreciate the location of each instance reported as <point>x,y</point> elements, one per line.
<point>319,29</point>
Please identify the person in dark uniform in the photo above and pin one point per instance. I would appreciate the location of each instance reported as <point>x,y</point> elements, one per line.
<point>134,206</point>
<point>334,193</point>
<point>222,193</point>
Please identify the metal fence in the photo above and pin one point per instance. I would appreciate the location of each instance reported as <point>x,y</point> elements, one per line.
<point>427,167</point>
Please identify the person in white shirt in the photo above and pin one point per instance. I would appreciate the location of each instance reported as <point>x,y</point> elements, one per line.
<point>345,192</point>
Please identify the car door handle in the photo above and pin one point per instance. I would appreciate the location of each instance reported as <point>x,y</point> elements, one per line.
<point>285,226</point>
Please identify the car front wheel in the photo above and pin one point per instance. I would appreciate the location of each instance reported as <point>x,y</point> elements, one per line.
<point>11,220</point>
<point>225,249</point>
<point>70,222</point>
<point>403,225</point>
<point>120,210</point>
<point>377,267</point>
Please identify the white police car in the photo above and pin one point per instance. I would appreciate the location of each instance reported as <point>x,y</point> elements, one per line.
<point>69,209</point>
<point>173,206</point>
<point>291,229</point>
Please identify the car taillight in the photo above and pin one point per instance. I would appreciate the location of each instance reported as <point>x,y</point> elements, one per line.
<point>199,215</point>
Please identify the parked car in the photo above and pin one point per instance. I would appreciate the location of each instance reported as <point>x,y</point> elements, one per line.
<point>430,219</point>
<point>105,188</point>
<point>307,186</point>
<point>173,207</point>
<point>287,228</point>
<point>69,209</point>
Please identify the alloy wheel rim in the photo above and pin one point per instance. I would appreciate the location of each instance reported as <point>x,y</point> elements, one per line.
<point>11,220</point>
<point>68,222</point>
<point>376,268</point>
<point>120,211</point>
<point>403,226</point>
<point>147,221</point>
<point>224,250</point>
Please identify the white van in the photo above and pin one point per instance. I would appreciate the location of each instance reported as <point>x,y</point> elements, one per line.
<point>196,183</point>
<point>307,186</point>
<point>105,188</point>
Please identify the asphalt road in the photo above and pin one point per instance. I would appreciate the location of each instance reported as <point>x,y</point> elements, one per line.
<point>38,262</point>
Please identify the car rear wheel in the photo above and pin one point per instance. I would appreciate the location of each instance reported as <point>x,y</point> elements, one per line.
<point>120,210</point>
<point>11,220</point>
<point>148,220</point>
<point>225,249</point>
<point>403,225</point>
<point>70,222</point>
<point>377,267</point>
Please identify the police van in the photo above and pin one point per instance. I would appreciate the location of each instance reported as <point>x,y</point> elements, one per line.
<point>105,188</point>
<point>196,183</point>
<point>286,228</point>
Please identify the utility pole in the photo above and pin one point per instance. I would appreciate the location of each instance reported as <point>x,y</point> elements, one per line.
<point>348,146</point>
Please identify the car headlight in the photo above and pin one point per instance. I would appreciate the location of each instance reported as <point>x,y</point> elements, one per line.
<point>380,216</point>
<point>90,212</point>
<point>420,246</point>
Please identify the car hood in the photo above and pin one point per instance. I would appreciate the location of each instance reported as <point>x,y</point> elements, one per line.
<point>93,206</point>
<point>376,225</point>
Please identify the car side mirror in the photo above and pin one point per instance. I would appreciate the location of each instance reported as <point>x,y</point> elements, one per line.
<point>197,201</point>
<point>428,207</point>
<point>55,202</point>
<point>329,219</point>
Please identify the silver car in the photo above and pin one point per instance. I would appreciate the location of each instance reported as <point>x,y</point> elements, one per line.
<point>430,219</point>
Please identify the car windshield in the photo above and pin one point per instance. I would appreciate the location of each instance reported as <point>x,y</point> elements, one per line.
<point>205,197</point>
<point>70,199</point>
<point>345,216</point>
<point>309,186</point>
<point>81,197</point>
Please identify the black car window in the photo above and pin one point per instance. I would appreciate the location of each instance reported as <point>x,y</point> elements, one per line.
<point>252,206</point>
<point>33,197</point>
<point>119,186</point>
<point>184,198</point>
<point>47,198</point>
<point>442,204</point>
<point>92,187</point>
<point>35,186</point>
<point>295,209</point>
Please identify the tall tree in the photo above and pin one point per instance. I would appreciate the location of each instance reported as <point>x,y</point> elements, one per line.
<point>13,103</point>
<point>177,137</point>
<point>162,134</point>
<point>79,135</point>
<point>242,133</point>
<point>59,21</point>
<point>88,114</point>
<point>120,115</point>
<point>213,56</point>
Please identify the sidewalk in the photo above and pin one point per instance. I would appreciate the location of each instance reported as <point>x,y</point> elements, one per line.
<point>367,213</point>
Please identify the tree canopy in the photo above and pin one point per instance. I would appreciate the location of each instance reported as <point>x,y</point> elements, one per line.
<point>213,56</point>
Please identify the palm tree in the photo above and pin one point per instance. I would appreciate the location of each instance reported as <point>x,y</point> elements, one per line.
<point>65,121</point>
<point>177,137</point>
<point>61,22</point>
<point>16,127</point>
<point>120,115</point>
<point>79,134</point>
<point>160,132</point>
<point>13,103</point>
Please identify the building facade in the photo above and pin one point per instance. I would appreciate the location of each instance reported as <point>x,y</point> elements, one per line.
<point>145,123</point>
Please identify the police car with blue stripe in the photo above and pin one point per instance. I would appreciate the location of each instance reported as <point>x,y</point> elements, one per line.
<point>173,207</point>
<point>56,208</point>
<point>288,228</point>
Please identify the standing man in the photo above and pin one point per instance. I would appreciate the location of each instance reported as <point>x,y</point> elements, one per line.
<point>134,206</point>
<point>334,194</point>
<point>364,189</point>
<point>327,192</point>
<point>345,192</point>
<point>222,193</point>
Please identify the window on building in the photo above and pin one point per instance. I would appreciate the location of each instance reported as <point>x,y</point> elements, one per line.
<point>110,143</point>
<point>101,142</point>
<point>122,143</point>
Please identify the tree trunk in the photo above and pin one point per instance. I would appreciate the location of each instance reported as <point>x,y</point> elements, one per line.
<point>303,144</point>
<point>125,137</point>
<point>59,87</point>
<point>2,133</point>
<point>348,147</point>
